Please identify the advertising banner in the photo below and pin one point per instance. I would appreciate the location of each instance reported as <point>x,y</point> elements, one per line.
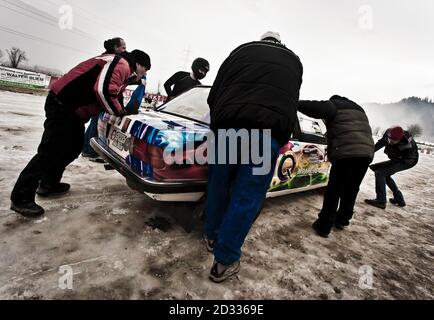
<point>23,78</point>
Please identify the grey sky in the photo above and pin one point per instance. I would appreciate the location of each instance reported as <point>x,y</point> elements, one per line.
<point>392,60</point>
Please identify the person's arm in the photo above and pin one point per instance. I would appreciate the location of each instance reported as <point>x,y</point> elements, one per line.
<point>317,109</point>
<point>109,84</point>
<point>136,98</point>
<point>171,82</point>
<point>381,143</point>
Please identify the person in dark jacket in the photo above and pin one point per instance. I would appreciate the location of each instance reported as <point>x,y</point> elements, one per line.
<point>350,150</point>
<point>89,88</point>
<point>183,81</point>
<point>257,87</point>
<point>403,153</point>
<point>112,46</point>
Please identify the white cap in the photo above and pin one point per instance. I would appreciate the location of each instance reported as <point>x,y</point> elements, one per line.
<point>271,34</point>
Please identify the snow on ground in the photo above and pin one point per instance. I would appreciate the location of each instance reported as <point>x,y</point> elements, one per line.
<point>122,245</point>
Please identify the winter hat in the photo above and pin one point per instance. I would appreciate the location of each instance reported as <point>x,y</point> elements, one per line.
<point>141,58</point>
<point>395,133</point>
<point>270,35</point>
<point>200,67</point>
<point>200,63</point>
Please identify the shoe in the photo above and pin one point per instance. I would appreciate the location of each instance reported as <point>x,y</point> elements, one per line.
<point>401,204</point>
<point>376,203</point>
<point>341,225</point>
<point>27,209</point>
<point>61,188</point>
<point>208,243</point>
<point>318,230</point>
<point>220,273</point>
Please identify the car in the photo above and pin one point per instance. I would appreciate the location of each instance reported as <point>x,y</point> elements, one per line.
<point>135,146</point>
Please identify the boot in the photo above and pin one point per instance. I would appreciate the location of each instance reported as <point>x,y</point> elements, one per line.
<point>27,209</point>
<point>46,191</point>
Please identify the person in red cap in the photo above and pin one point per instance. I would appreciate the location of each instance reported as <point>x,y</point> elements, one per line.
<point>403,153</point>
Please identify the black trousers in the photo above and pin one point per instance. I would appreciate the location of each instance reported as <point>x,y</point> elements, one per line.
<point>346,176</point>
<point>61,144</point>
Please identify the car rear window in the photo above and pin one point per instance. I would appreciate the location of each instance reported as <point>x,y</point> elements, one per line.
<point>192,104</point>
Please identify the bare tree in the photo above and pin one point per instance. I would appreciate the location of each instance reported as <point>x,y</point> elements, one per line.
<point>415,130</point>
<point>1,55</point>
<point>16,56</point>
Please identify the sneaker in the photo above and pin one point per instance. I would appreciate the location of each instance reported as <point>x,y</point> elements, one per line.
<point>376,203</point>
<point>208,243</point>
<point>60,189</point>
<point>318,230</point>
<point>401,204</point>
<point>27,209</point>
<point>220,273</point>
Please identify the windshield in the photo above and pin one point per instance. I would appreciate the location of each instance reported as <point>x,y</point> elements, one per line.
<point>192,104</point>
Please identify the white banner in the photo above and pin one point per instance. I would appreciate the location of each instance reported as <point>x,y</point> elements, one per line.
<point>22,77</point>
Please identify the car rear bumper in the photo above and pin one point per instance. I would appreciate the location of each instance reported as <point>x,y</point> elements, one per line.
<point>143,184</point>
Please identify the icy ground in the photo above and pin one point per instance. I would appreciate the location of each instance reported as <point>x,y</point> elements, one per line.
<point>121,245</point>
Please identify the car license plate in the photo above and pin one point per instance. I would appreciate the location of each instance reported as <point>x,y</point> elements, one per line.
<point>120,140</point>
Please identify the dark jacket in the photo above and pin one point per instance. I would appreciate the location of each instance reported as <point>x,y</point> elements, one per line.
<point>95,85</point>
<point>257,87</point>
<point>349,134</point>
<point>405,150</point>
<point>181,82</point>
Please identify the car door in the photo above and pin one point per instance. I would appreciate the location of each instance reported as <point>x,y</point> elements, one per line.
<point>302,163</point>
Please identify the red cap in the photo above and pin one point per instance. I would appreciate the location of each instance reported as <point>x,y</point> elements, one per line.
<point>395,133</point>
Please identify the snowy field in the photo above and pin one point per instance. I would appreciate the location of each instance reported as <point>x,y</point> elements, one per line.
<point>122,245</point>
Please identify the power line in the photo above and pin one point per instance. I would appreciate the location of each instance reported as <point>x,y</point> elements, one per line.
<point>44,17</point>
<point>42,40</point>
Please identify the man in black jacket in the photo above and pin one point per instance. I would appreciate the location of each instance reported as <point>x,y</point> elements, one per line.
<point>257,87</point>
<point>403,153</point>
<point>350,150</point>
<point>183,81</point>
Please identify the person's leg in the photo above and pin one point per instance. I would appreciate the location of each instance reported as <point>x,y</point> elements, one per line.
<point>46,157</point>
<point>327,216</point>
<point>219,186</point>
<point>397,194</point>
<point>383,174</point>
<point>91,132</point>
<point>249,191</point>
<point>356,169</point>
<point>68,152</point>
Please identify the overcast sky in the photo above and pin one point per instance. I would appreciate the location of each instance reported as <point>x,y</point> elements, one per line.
<point>378,50</point>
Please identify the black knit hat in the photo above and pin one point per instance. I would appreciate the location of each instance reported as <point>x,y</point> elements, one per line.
<point>200,63</point>
<point>141,58</point>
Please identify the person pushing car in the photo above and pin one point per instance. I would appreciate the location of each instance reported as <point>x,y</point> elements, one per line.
<point>92,86</point>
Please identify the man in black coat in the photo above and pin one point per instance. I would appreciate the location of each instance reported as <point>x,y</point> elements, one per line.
<point>183,81</point>
<point>257,87</point>
<point>350,150</point>
<point>403,153</point>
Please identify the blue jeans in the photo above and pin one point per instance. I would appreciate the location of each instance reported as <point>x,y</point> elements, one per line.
<point>235,196</point>
<point>91,132</point>
<point>383,176</point>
